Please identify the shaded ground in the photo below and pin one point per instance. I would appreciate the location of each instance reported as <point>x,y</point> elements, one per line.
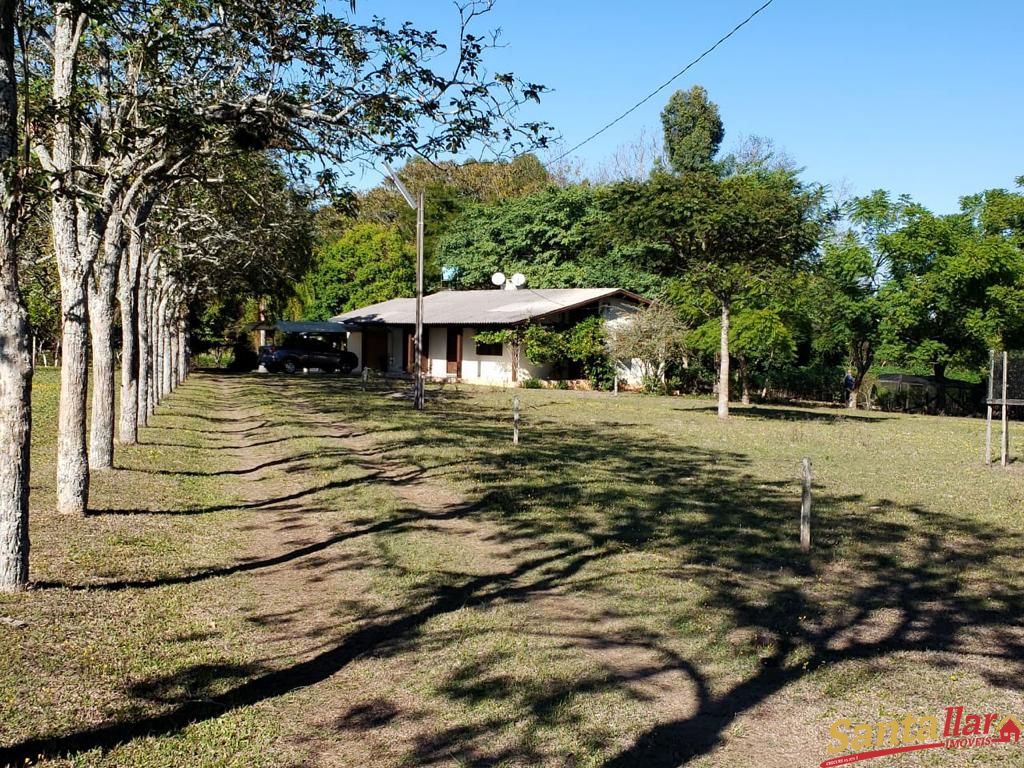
<point>292,571</point>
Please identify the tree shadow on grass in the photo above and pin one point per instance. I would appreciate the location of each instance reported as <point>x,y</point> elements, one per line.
<point>778,413</point>
<point>917,580</point>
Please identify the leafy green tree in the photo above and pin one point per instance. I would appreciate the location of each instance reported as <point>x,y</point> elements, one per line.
<point>846,309</point>
<point>585,343</point>
<point>368,264</point>
<point>137,89</point>
<point>654,336</point>
<point>693,130</point>
<point>957,285</point>
<point>997,246</point>
<point>725,237</point>
<point>759,339</point>
<point>555,237</point>
<point>449,188</point>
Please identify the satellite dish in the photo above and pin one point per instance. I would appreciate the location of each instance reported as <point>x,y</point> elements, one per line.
<point>518,279</point>
<point>498,278</point>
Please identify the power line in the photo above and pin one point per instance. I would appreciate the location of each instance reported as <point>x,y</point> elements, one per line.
<point>666,84</point>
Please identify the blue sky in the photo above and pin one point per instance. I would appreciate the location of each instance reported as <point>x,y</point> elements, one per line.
<point>906,95</point>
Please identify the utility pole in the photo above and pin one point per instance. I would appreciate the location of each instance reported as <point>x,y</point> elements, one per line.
<point>417,348</point>
<point>418,394</point>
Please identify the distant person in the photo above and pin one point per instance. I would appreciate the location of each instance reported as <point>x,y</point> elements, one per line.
<point>849,383</point>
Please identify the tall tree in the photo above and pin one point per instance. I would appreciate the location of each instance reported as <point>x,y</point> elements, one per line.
<point>15,362</point>
<point>957,281</point>
<point>366,265</point>
<point>449,189</point>
<point>315,86</point>
<point>693,130</point>
<point>847,311</point>
<point>724,236</point>
<point>557,238</point>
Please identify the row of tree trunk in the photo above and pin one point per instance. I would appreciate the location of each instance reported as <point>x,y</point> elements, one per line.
<point>154,361</point>
<point>102,256</point>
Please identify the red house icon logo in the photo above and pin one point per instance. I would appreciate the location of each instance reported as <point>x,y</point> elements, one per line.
<point>1009,729</point>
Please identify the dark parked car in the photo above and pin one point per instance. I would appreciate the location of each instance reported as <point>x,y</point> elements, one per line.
<point>298,352</point>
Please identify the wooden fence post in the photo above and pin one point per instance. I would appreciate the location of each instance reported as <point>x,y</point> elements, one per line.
<point>515,421</point>
<point>805,507</point>
<point>1006,413</point>
<point>988,435</point>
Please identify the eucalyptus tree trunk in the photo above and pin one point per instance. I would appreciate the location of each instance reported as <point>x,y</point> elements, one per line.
<point>128,296</point>
<point>102,290</point>
<point>723,365</point>
<point>172,356</point>
<point>146,339</point>
<point>183,348</point>
<point>72,463</point>
<point>160,336</point>
<point>156,344</point>
<point>142,318</point>
<point>165,345</point>
<point>744,381</point>
<point>15,363</point>
<point>15,404</point>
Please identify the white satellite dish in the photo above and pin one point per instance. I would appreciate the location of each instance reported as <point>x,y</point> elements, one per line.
<point>518,279</point>
<point>498,278</point>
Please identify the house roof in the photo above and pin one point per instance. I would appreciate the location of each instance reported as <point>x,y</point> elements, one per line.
<point>491,307</point>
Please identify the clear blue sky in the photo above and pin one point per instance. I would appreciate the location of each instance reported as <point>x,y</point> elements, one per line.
<point>917,96</point>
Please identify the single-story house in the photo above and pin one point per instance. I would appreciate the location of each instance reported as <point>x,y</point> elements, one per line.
<point>452,319</point>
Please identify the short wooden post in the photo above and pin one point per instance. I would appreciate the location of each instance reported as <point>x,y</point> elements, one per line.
<point>988,436</point>
<point>515,421</point>
<point>1006,412</point>
<point>805,507</point>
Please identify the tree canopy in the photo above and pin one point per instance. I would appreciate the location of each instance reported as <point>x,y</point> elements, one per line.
<point>693,130</point>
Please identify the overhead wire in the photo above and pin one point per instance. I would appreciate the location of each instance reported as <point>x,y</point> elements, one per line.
<point>664,85</point>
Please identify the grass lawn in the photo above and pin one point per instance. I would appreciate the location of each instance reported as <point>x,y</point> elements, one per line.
<point>290,571</point>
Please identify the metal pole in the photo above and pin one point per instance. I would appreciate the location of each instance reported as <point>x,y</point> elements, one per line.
<point>1006,417</point>
<point>418,394</point>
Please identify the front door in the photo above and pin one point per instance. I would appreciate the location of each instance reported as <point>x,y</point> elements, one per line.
<point>375,349</point>
<point>409,337</point>
<point>454,356</point>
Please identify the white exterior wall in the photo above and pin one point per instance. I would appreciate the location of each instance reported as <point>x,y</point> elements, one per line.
<point>618,312</point>
<point>437,339</point>
<point>491,369</point>
<point>354,344</point>
<point>497,370</point>
<point>487,369</point>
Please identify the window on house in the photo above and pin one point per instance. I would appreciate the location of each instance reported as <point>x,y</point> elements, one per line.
<point>489,350</point>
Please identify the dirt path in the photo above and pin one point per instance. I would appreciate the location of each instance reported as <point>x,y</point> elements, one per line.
<point>317,590</point>
<point>363,569</point>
